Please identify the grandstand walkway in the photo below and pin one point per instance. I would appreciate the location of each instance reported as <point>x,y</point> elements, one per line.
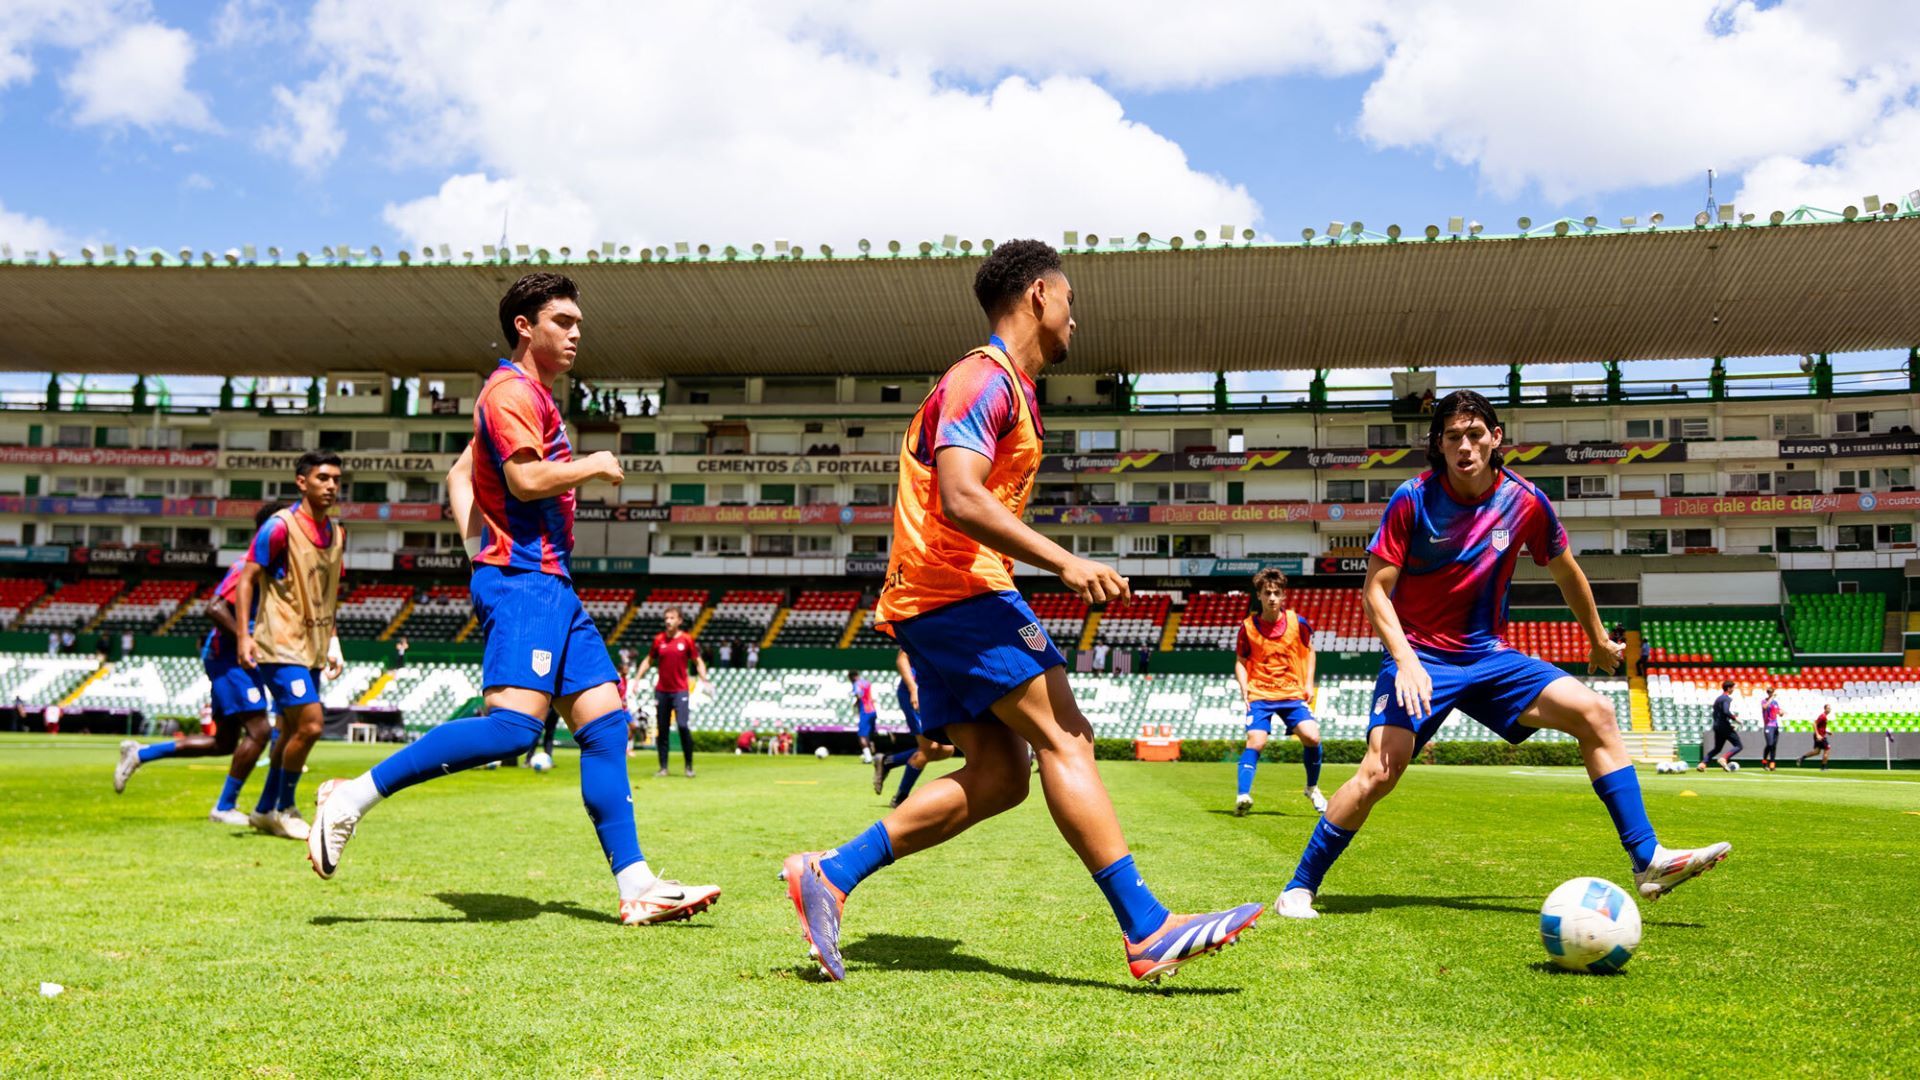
<point>399,619</point>
<point>179,613</point>
<point>626,619</point>
<point>1087,632</point>
<point>74,695</point>
<point>473,623</point>
<point>773,628</point>
<point>699,624</point>
<point>1172,631</point>
<point>1639,708</point>
<point>373,692</point>
<point>858,620</point>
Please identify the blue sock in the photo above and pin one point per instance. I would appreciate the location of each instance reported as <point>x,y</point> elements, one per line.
<point>901,757</point>
<point>1323,847</point>
<point>270,793</point>
<point>457,745</point>
<point>1311,757</point>
<point>605,788</point>
<point>156,751</point>
<point>1249,761</point>
<point>907,777</point>
<point>851,862</point>
<point>1132,902</point>
<point>230,793</point>
<point>1620,790</point>
<point>289,785</point>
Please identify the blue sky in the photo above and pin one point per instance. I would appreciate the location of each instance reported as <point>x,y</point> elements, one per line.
<point>397,123</point>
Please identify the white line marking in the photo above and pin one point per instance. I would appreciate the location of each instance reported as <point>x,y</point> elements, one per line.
<point>1726,778</point>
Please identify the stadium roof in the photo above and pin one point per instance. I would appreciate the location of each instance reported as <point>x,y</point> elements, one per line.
<point>1157,306</point>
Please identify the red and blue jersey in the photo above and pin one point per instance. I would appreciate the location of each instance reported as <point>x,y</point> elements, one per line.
<point>1770,713</point>
<point>863,695</point>
<point>515,413</point>
<point>269,548</point>
<point>220,646</point>
<point>973,407</point>
<point>1456,558</point>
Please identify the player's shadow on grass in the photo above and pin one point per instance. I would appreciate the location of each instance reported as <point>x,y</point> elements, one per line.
<point>1360,905</point>
<point>479,908</point>
<point>1256,813</point>
<point>899,952</point>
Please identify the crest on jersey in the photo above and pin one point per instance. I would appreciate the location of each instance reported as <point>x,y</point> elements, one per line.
<point>542,661</point>
<point>1035,638</point>
<point>253,695</point>
<point>1500,538</point>
<point>1380,704</point>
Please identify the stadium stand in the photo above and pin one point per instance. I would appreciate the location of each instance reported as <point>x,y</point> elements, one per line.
<point>606,606</point>
<point>1062,614</point>
<point>73,606</point>
<point>1212,620</point>
<point>1863,698</point>
<point>17,595</point>
<point>649,616</point>
<point>366,610</point>
<point>146,606</point>
<point>1339,622</point>
<point>742,615</point>
<point>440,615</point>
<point>194,622</point>
<point>154,685</point>
<point>1559,642</point>
<point>1135,622</point>
<point>1837,622</point>
<point>38,679</point>
<point>1710,641</point>
<point>818,619</point>
<point>867,637</point>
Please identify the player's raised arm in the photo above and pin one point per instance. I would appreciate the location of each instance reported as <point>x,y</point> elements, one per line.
<point>1604,653</point>
<point>972,509</point>
<point>1412,686</point>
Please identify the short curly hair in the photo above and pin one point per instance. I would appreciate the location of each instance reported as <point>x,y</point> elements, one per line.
<point>528,296</point>
<point>1006,273</point>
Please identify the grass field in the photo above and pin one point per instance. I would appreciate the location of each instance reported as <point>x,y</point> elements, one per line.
<point>471,930</point>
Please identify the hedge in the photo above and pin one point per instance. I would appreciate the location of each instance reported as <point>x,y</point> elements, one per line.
<point>1350,751</point>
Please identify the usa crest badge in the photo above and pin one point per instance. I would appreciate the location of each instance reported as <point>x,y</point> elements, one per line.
<point>1035,638</point>
<point>1500,539</point>
<point>542,661</point>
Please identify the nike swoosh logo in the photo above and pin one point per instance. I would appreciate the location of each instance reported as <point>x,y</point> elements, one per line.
<point>1436,539</point>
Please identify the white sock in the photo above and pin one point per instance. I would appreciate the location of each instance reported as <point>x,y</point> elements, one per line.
<point>634,880</point>
<point>356,796</point>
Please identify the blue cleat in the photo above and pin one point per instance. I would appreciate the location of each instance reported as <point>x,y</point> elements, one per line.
<point>1183,937</point>
<point>819,904</point>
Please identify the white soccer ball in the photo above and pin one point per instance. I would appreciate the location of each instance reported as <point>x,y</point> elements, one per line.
<point>820,752</point>
<point>541,761</point>
<point>1590,924</point>
<point>1733,766</point>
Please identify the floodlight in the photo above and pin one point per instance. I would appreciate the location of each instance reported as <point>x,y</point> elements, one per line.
<point>893,246</point>
<point>1629,222</point>
<point>206,257</point>
<point>926,247</point>
<point>405,257</point>
<point>1560,227</point>
<point>565,252</point>
<point>1473,228</point>
<point>606,249</point>
<point>1590,221</point>
<point>1226,234</point>
<point>232,256</point>
<point>186,254</point>
<point>133,256</point>
<point>1850,212</point>
<point>779,246</point>
<point>485,249</point>
<point>376,252</point>
<point>110,251</point>
<point>520,250</point>
<point>593,256</point>
<point>1200,236</point>
<point>680,248</point>
<point>646,255</point>
<point>543,255</point>
<point>987,245</point>
<point>86,253</point>
<point>302,257</point>
<point>759,249</point>
<point>703,249</point>
<point>1143,239</point>
<point>1525,223</point>
<point>1306,234</point>
<point>467,255</point>
<point>1455,225</point>
<point>158,259</point>
<point>797,251</point>
<point>949,241</point>
<point>865,245</point>
<point>1776,217</point>
<point>625,250</point>
<point>447,252</point>
<point>660,252</point>
<point>1871,203</point>
<point>966,245</point>
<point>1393,232</point>
<point>1357,228</point>
<point>1656,218</point>
<point>1092,242</point>
<point>1175,241</point>
<point>1726,213</point>
<point>1071,237</point>
<point>1433,232</point>
<point>1888,207</point>
<point>1247,234</point>
<point>1745,216</point>
<point>1700,219</point>
<point>1335,228</point>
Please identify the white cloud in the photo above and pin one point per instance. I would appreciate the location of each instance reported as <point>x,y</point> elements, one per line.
<point>67,24</point>
<point>309,132</point>
<point>1883,161</point>
<point>717,123</point>
<point>24,233</point>
<point>253,23</point>
<point>137,76</point>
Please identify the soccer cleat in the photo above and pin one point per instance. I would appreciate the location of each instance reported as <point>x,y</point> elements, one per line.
<point>1183,937</point>
<point>129,761</point>
<point>895,802</point>
<point>1318,800</point>
<point>332,828</point>
<point>227,817</point>
<point>667,901</point>
<point>1296,904</point>
<point>866,757</point>
<point>661,773</point>
<point>292,825</point>
<point>689,772</point>
<point>1242,804</point>
<point>879,775</point>
<point>1669,868</point>
<point>274,823</point>
<point>819,904</point>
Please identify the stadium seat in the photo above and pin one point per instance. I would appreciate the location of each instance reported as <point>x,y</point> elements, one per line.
<point>73,606</point>
<point>1837,622</point>
<point>1136,622</point>
<point>365,611</point>
<point>16,595</point>
<point>818,619</point>
<point>439,616</point>
<point>1212,620</point>
<point>143,608</point>
<point>1708,641</point>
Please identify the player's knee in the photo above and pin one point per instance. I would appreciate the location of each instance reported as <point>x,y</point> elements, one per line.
<point>1377,777</point>
<point>1256,740</point>
<point>1309,738</point>
<point>1600,717</point>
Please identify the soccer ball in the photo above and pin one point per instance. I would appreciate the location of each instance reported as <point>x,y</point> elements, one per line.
<point>820,752</point>
<point>1590,925</point>
<point>541,761</point>
<point>1733,766</point>
<point>1670,767</point>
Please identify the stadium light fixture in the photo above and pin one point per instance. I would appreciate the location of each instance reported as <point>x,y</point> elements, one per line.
<point>132,256</point>
<point>1393,232</point>
<point>1226,234</point>
<point>1727,213</point>
<point>1656,218</point>
<point>1524,223</point>
<point>759,250</point>
<point>704,250</point>
<point>206,258</point>
<point>1199,236</point>
<point>232,256</point>
<point>1143,239</point>
<point>593,256</point>
<point>779,246</point>
<point>1590,222</point>
<point>625,250</point>
<point>302,257</point>
<point>660,253</point>
<point>1092,242</point>
<point>543,255</point>
<point>110,251</point>
<point>1850,212</point>
<point>567,252</point>
<point>1306,233</point>
<point>186,255</point>
<point>926,248</point>
<point>1629,222</point>
<point>405,256</point>
<point>520,251</point>
<point>966,247</point>
<point>606,249</point>
<point>446,252</point>
<point>273,253</point>
<point>1776,217</point>
<point>375,250</point>
<point>1474,227</point>
<point>1913,199</point>
<point>156,258</point>
<point>1745,217</point>
<point>865,245</point>
<point>1358,228</point>
<point>949,241</point>
<point>467,255</point>
<point>1700,220</point>
<point>1247,235</point>
<point>486,250</point>
<point>1455,225</point>
<point>1433,232</point>
<point>1175,241</point>
<point>646,255</point>
<point>893,247</point>
<point>681,247</point>
<point>1071,238</point>
<point>6,252</point>
<point>1335,228</point>
<point>986,245</point>
<point>826,251</point>
<point>1871,204</point>
<point>53,257</point>
<point>1560,227</point>
<point>87,253</point>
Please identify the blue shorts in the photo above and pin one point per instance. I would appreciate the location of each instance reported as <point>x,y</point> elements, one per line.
<point>906,706</point>
<point>292,684</point>
<point>1291,713</point>
<point>538,636</point>
<point>1494,689</point>
<point>866,724</point>
<point>971,654</point>
<point>236,691</point>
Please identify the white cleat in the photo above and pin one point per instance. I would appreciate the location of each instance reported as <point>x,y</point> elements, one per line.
<point>292,825</point>
<point>866,757</point>
<point>667,901</point>
<point>1242,804</point>
<point>1295,904</point>
<point>1318,800</point>
<point>228,817</point>
<point>129,761</point>
<point>1669,868</point>
<point>332,828</point>
<point>275,823</point>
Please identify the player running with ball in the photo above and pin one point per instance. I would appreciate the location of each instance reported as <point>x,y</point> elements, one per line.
<point>990,680</point>
<point>1436,592</point>
<point>542,650</point>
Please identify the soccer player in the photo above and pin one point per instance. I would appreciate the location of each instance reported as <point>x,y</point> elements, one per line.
<point>542,650</point>
<point>1723,730</point>
<point>1822,743</point>
<point>239,704</point>
<point>1769,728</point>
<point>291,583</point>
<point>923,752</point>
<point>863,706</point>
<point>990,679</point>
<point>1274,665</point>
<point>1436,592</point>
<point>673,650</point>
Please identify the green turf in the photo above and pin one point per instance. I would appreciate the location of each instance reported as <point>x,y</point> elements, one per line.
<point>471,931</point>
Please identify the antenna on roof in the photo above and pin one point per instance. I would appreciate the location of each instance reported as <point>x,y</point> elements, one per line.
<point>1713,205</point>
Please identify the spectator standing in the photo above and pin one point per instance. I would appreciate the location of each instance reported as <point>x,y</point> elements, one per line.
<point>400,648</point>
<point>66,641</point>
<point>726,654</point>
<point>753,654</point>
<point>51,719</point>
<point>1100,651</point>
<point>53,643</point>
<point>126,644</point>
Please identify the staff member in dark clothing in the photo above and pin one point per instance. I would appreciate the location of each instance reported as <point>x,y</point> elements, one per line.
<point>1723,729</point>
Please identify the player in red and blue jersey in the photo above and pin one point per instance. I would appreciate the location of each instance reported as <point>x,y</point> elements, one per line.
<point>239,702</point>
<point>868,715</point>
<point>1769,729</point>
<point>1436,592</point>
<point>518,478</point>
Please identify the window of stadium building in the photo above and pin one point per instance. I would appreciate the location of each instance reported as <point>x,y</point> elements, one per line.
<point>1236,441</point>
<point>1059,441</point>
<point>420,491</point>
<point>1646,429</point>
<point>1746,483</point>
<point>773,545</point>
<point>1099,441</point>
<point>1793,424</point>
<point>1894,534</point>
<point>1193,439</point>
<point>1684,539</point>
<point>815,545</point>
<point>1689,483</point>
<point>638,442</point>
<point>1192,544</point>
<point>1587,487</point>
<point>687,494</point>
<point>1106,494</point>
<point>1388,435</point>
<point>73,435</point>
<point>817,494</point>
<point>1053,495</point>
<point>1785,482</point>
<point>367,491</point>
<point>1895,479</point>
<point>112,438</point>
<point>727,544</point>
<point>1852,423</point>
<point>681,544</point>
<point>733,494</point>
<point>872,495</point>
<point>1797,538</point>
<point>1853,538</point>
<point>870,545</point>
<point>1646,542</point>
<point>1346,491</point>
<point>1198,491</point>
<point>1145,494</point>
<point>776,494</point>
<point>232,538</point>
<point>290,442</point>
<point>1150,547</point>
<point>687,442</point>
<point>1084,544</point>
